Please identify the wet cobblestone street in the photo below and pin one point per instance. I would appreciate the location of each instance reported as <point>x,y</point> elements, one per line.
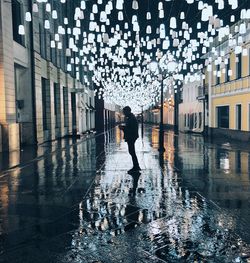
<point>81,205</point>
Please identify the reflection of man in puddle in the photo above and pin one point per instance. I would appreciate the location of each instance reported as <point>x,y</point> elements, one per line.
<point>130,130</point>
<point>132,212</point>
<point>136,177</point>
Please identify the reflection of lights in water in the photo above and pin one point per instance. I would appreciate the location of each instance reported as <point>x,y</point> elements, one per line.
<point>227,221</point>
<point>155,138</point>
<point>224,163</point>
<point>118,135</point>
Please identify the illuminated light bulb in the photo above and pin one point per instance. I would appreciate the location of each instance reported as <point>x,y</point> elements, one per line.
<point>83,5</point>
<point>149,45</point>
<point>78,23</point>
<point>103,29</point>
<point>206,13</point>
<point>161,13</point>
<point>54,14</point>
<point>200,5</point>
<point>244,52</point>
<point>65,21</point>
<point>108,22</point>
<point>103,16</point>
<point>61,30</point>
<point>148,16</point>
<point>160,6</point>
<point>57,38</point>
<point>165,44</point>
<point>220,4</point>
<point>148,30</point>
<point>243,14</point>
<point>182,15</point>
<point>119,4</point>
<point>232,18</point>
<point>59,45</point>
<point>248,14</point>
<point>135,5</point>
<point>176,42</point>
<point>46,24</point>
<point>94,9</point>
<point>48,7</point>
<point>52,44</point>
<point>28,16</point>
<point>69,67</point>
<point>233,3</point>
<point>35,8</point>
<point>238,50</point>
<point>173,22</point>
<point>21,30</point>
<point>91,17</point>
<point>242,29</point>
<point>120,15</point>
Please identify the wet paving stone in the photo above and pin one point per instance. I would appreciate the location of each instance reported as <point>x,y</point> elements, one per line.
<point>82,206</point>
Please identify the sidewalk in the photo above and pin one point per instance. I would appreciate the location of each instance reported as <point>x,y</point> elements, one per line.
<point>80,205</point>
<point>30,153</point>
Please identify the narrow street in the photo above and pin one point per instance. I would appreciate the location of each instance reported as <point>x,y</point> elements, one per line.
<point>78,204</point>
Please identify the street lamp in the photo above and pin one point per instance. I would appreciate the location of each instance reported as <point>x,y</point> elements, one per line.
<point>165,70</point>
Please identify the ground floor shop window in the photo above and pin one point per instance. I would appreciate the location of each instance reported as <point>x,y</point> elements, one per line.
<point>249,118</point>
<point>223,117</point>
<point>44,103</point>
<point>200,119</point>
<point>238,117</point>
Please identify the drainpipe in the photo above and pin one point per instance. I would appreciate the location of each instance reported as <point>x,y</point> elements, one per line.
<point>32,66</point>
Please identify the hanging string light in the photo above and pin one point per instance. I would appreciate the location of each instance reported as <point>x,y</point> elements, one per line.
<point>118,55</point>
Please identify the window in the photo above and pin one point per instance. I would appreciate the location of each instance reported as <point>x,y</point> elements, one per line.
<point>73,110</point>
<point>57,106</point>
<point>223,117</point>
<point>200,119</point>
<point>191,124</point>
<point>249,61</point>
<point>66,107</point>
<point>217,74</point>
<point>43,36</point>
<point>52,53</point>
<point>44,106</point>
<point>238,161</point>
<point>17,20</point>
<point>238,66</point>
<point>195,120</point>
<point>238,117</point>
<point>249,117</point>
<point>227,77</point>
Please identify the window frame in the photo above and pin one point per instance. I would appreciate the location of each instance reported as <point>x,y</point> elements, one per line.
<point>20,41</point>
<point>236,117</point>
<point>217,116</point>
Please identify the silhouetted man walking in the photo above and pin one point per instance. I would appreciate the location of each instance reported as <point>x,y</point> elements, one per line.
<point>131,135</point>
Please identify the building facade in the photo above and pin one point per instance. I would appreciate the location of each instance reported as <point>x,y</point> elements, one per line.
<point>152,115</point>
<point>192,109</point>
<point>228,80</point>
<point>44,95</point>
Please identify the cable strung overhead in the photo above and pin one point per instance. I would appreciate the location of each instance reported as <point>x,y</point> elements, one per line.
<point>118,40</point>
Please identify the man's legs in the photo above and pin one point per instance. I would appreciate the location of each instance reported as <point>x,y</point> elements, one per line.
<point>131,150</point>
